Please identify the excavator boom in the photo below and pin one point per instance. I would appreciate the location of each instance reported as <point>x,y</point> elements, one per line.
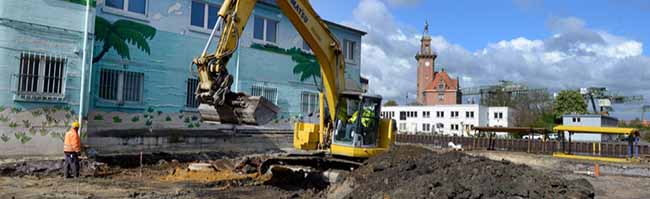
<point>352,129</point>
<point>219,104</point>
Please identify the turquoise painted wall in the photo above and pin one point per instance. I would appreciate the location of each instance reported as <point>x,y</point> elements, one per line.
<point>167,66</point>
<point>36,126</point>
<point>28,26</point>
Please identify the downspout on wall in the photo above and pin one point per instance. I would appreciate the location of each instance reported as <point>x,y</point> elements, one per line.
<point>83,97</point>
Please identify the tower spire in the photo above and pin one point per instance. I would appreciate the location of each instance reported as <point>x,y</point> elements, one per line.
<point>426,27</point>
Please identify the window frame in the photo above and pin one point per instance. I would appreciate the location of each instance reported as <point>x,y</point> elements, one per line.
<point>264,89</point>
<point>190,94</point>
<point>347,44</point>
<point>206,16</point>
<point>305,47</point>
<point>311,108</point>
<point>264,39</point>
<point>40,94</point>
<point>126,12</point>
<point>121,83</point>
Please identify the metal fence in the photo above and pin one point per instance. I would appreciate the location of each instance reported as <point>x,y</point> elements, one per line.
<point>619,149</point>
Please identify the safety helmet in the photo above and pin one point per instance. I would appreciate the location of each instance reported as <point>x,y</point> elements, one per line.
<point>75,124</point>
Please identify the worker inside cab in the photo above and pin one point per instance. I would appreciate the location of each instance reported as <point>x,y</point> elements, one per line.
<point>357,129</point>
<point>346,127</point>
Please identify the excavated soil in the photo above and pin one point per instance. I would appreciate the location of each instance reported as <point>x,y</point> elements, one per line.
<point>414,172</point>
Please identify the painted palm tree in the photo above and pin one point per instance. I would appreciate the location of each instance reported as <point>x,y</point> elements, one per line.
<point>83,2</point>
<point>120,33</point>
<point>306,65</point>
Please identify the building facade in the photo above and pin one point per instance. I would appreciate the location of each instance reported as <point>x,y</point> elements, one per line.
<point>41,67</point>
<point>157,77</point>
<point>456,120</point>
<point>434,88</point>
<point>137,73</point>
<point>590,120</point>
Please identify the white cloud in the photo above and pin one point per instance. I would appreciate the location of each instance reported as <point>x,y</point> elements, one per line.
<point>575,56</point>
<point>404,2</point>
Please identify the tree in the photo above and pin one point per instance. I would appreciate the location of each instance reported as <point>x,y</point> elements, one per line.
<point>569,101</point>
<point>116,36</point>
<point>391,103</point>
<point>532,109</point>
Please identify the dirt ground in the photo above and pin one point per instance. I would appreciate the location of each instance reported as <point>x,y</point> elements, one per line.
<point>414,172</point>
<point>393,177</point>
<point>608,185</point>
<point>153,181</point>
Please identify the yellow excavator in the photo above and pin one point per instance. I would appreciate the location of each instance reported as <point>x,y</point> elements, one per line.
<point>350,128</point>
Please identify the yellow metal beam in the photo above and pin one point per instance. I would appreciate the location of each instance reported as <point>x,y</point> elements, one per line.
<point>593,129</point>
<point>592,158</point>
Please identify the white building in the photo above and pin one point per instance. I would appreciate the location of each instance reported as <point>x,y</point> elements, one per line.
<point>446,119</point>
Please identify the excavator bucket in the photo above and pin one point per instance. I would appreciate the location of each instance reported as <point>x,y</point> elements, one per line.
<point>252,110</point>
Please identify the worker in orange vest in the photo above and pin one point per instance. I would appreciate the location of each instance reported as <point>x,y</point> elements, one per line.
<point>71,149</point>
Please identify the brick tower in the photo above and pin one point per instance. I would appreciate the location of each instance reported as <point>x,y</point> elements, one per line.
<point>425,58</point>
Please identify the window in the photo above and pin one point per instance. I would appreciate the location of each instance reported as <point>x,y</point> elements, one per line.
<point>426,127</point>
<point>402,115</point>
<point>498,115</point>
<point>41,76</point>
<point>440,125</point>
<point>348,49</point>
<point>305,46</point>
<point>454,114</point>
<point>265,29</point>
<point>388,114</point>
<point>135,6</point>
<point>402,126</point>
<point>309,102</point>
<point>454,127</point>
<point>469,114</point>
<point>426,114</point>
<point>415,114</point>
<point>190,99</point>
<point>576,119</point>
<point>269,93</point>
<point>121,86</point>
<point>203,15</point>
<point>440,114</point>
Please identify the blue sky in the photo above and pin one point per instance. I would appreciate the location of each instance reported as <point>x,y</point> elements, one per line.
<point>552,44</point>
<point>473,24</point>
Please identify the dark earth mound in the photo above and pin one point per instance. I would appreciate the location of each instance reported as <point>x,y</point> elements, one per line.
<point>415,172</point>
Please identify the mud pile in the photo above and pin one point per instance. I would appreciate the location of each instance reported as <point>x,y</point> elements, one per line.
<point>414,172</point>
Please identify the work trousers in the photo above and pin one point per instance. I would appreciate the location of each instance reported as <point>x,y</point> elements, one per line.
<point>71,164</point>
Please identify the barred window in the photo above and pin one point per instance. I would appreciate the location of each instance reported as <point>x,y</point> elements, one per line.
<point>190,100</point>
<point>309,102</point>
<point>269,93</point>
<point>121,86</point>
<point>41,76</point>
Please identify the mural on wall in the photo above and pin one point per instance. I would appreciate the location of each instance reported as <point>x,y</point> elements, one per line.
<point>116,35</point>
<point>150,119</point>
<point>20,126</point>
<point>83,2</point>
<point>306,65</point>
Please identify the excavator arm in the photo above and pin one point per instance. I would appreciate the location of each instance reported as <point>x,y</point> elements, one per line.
<point>215,81</point>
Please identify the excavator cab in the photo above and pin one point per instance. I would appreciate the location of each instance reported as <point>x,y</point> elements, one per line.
<point>357,121</point>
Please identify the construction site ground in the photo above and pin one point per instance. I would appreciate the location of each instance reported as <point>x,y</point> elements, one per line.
<point>406,172</point>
